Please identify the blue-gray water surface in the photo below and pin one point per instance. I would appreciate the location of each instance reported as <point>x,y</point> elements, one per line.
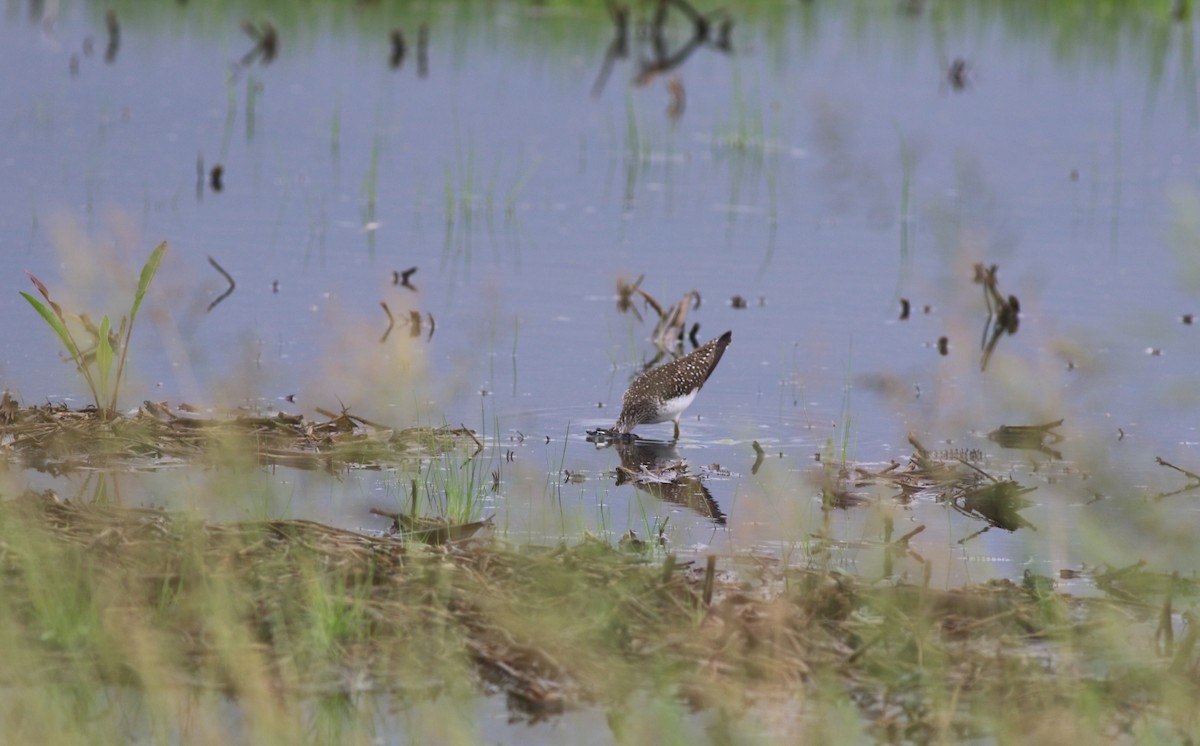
<point>829,164</point>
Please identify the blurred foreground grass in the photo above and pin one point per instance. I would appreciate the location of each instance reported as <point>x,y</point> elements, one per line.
<point>138,625</point>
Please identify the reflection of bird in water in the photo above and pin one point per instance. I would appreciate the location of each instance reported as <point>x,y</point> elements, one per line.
<point>651,468</point>
<point>997,503</point>
<point>663,393</point>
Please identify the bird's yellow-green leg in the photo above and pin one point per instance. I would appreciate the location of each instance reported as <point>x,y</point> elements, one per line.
<point>676,429</point>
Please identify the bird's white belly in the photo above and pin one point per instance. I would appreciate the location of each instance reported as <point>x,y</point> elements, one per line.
<point>670,409</point>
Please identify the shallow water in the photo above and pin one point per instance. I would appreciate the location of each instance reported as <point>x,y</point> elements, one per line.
<point>823,169</point>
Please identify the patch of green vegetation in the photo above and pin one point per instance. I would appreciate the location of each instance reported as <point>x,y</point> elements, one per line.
<point>95,361</point>
<point>298,621</point>
<point>456,484</point>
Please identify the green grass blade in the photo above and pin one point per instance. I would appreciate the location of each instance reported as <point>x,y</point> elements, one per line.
<point>104,358</point>
<point>54,319</point>
<point>148,272</point>
<point>57,324</point>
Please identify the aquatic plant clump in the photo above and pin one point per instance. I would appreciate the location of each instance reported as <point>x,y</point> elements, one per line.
<point>95,362</point>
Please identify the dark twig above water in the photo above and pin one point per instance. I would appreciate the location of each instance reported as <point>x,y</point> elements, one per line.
<point>1192,485</point>
<point>403,278</point>
<point>663,59</point>
<point>396,58</point>
<point>228,278</point>
<point>758,457</point>
<point>1189,474</point>
<point>958,75</point>
<point>618,48</point>
<point>391,322</point>
<point>673,324</point>
<point>114,36</point>
<point>266,43</point>
<point>671,327</point>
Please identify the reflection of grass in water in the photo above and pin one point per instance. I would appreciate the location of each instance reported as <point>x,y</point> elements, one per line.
<point>556,479</point>
<point>750,151</point>
<point>847,409</point>
<point>458,191</point>
<point>1184,235</point>
<point>636,151</point>
<point>525,173</point>
<point>1118,179</point>
<point>648,142</point>
<point>745,133</point>
<point>908,164</point>
<point>463,201</point>
<point>370,184</point>
<point>231,108</point>
<point>253,88</point>
<point>335,131</point>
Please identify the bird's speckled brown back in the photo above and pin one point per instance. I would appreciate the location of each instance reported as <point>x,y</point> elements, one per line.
<point>675,379</point>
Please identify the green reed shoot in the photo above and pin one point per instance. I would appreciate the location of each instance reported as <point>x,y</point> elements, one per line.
<point>96,363</point>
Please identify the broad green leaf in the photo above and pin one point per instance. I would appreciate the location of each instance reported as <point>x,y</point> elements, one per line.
<point>57,324</point>
<point>104,358</point>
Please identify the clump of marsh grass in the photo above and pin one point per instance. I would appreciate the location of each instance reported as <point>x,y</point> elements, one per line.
<point>95,360</point>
